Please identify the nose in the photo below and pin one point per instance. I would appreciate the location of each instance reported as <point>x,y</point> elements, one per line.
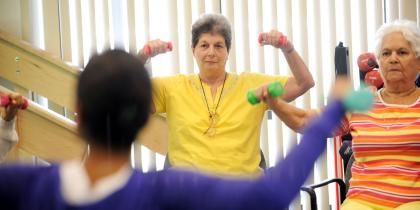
<point>211,50</point>
<point>394,58</point>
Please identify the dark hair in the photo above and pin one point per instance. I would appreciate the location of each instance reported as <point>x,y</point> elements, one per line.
<point>114,98</point>
<point>212,23</point>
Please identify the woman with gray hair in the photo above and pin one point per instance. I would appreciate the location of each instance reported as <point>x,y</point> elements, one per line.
<point>212,127</point>
<point>386,139</point>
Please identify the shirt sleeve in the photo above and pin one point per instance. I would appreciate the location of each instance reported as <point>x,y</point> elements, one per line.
<point>8,137</point>
<point>274,190</point>
<point>160,87</point>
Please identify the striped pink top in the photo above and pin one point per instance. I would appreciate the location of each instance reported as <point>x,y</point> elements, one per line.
<point>386,145</point>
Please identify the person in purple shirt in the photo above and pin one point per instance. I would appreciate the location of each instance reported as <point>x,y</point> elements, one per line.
<point>114,102</point>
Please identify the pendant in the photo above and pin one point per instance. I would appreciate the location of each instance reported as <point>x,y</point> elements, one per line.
<point>211,130</point>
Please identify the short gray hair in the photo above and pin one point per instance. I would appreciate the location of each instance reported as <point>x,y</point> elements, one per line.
<point>409,30</point>
<point>212,23</point>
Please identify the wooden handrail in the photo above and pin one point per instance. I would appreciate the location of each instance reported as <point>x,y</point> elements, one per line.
<point>46,134</point>
<point>43,132</point>
<point>37,70</point>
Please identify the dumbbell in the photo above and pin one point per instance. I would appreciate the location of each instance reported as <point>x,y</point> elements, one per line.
<point>147,50</point>
<point>360,100</point>
<point>369,70</point>
<point>374,78</point>
<point>275,89</point>
<point>282,39</point>
<point>367,62</point>
<point>5,101</point>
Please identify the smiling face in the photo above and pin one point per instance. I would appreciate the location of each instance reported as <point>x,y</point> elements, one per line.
<point>211,52</point>
<point>397,60</point>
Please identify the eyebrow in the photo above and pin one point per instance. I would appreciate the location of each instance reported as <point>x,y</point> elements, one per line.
<point>401,48</point>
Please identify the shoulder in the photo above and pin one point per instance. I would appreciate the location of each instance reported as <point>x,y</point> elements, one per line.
<point>27,175</point>
<point>172,80</point>
<point>260,78</point>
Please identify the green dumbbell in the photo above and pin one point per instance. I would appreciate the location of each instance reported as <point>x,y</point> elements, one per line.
<point>275,89</point>
<point>360,100</point>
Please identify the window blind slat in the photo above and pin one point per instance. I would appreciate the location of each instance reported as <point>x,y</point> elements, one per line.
<point>173,36</point>
<point>228,11</point>
<point>185,51</point>
<point>392,10</point>
<point>64,32</point>
<point>131,23</point>
<point>242,37</point>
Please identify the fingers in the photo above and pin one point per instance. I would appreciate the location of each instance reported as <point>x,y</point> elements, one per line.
<point>14,102</point>
<point>262,93</point>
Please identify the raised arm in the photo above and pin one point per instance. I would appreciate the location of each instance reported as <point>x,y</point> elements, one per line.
<point>8,135</point>
<point>151,49</point>
<point>295,118</point>
<point>302,79</point>
<point>274,190</point>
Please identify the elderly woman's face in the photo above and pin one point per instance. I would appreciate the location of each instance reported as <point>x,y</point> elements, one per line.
<point>397,59</point>
<point>211,52</point>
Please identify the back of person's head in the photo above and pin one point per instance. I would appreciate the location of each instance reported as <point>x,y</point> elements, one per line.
<point>409,30</point>
<point>212,23</point>
<point>114,99</point>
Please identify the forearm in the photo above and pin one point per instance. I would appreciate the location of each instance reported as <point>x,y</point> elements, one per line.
<point>299,69</point>
<point>8,137</point>
<point>295,118</point>
<point>302,79</point>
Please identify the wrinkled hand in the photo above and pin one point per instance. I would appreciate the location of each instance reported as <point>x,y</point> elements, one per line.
<point>274,38</point>
<point>153,48</point>
<point>262,94</point>
<point>10,111</point>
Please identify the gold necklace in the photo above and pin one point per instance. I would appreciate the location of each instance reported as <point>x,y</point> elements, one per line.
<point>213,117</point>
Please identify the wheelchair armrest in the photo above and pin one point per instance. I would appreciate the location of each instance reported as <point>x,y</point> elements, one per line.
<point>310,189</point>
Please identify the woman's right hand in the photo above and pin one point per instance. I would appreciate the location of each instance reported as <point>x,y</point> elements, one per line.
<point>153,48</point>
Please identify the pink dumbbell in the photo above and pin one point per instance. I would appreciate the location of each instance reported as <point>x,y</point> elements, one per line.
<point>5,101</point>
<point>148,50</point>
<point>282,39</point>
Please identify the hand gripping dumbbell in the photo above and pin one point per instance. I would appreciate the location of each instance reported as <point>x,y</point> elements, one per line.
<point>360,100</point>
<point>282,39</point>
<point>147,50</point>
<point>275,89</point>
<point>5,101</point>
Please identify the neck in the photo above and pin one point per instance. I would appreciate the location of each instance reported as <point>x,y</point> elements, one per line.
<point>212,79</point>
<point>403,97</point>
<point>399,92</point>
<point>101,163</point>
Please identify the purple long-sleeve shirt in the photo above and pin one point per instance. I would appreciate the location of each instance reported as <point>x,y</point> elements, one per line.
<point>39,187</point>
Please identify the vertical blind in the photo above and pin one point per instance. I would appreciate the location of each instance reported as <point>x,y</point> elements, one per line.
<point>76,29</point>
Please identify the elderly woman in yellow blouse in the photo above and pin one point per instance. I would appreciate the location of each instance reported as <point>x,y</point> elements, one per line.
<point>386,140</point>
<point>212,127</point>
